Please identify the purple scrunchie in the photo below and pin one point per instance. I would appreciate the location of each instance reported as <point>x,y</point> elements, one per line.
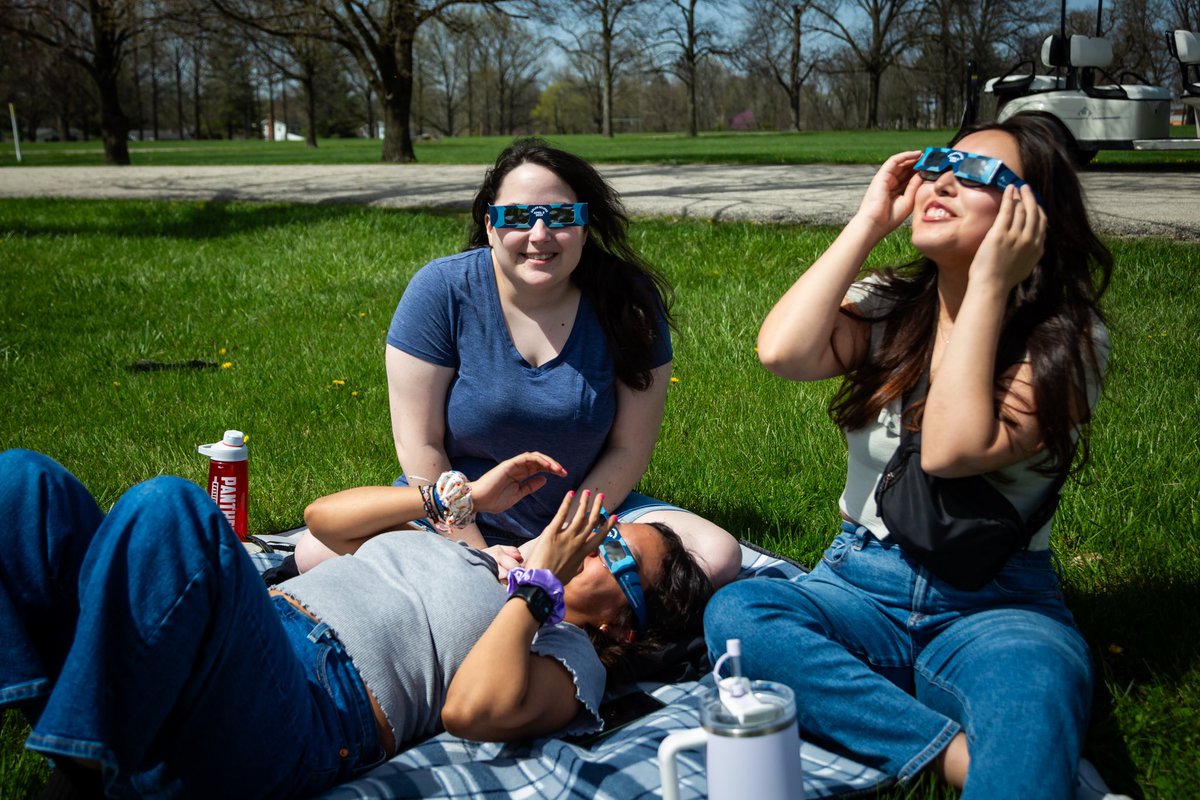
<point>547,581</point>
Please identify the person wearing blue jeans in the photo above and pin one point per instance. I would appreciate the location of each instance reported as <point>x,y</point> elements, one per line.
<point>151,661</point>
<point>988,688</point>
<point>889,664</point>
<point>144,641</point>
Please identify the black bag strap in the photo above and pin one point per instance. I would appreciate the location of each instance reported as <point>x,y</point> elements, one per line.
<point>1044,511</point>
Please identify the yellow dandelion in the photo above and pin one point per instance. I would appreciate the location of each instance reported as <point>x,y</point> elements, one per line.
<point>354,394</point>
<point>222,351</point>
<point>674,379</point>
<point>245,438</point>
<point>116,384</point>
<point>227,365</point>
<point>338,382</point>
<point>362,314</point>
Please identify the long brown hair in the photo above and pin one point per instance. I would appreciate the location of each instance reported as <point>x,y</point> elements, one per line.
<point>1051,317</point>
<point>627,295</point>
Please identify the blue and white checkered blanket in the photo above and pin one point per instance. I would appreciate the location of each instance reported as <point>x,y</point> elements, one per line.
<point>623,766</point>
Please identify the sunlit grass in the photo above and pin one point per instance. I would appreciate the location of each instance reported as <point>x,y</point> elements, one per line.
<point>807,147</point>
<point>296,299</point>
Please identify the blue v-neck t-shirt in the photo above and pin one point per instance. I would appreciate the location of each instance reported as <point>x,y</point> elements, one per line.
<point>497,404</point>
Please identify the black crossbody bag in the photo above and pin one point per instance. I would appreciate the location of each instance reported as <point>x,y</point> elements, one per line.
<point>963,530</point>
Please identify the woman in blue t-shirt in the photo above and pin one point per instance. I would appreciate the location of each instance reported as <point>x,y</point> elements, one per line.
<point>548,333</point>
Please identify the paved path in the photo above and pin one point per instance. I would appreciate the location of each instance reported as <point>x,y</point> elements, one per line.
<point>1123,203</point>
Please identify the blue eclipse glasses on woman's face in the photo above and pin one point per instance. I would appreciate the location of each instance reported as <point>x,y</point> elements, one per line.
<point>972,171</point>
<point>555,215</point>
<point>621,563</point>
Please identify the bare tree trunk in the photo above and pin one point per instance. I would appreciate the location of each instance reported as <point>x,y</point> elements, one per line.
<point>196,87</point>
<point>179,94</point>
<point>153,90</point>
<point>397,102</point>
<point>137,94</point>
<point>106,68</point>
<point>310,107</point>
<point>606,89</point>
<point>270,107</point>
<point>689,66</point>
<point>114,125</point>
<point>875,77</point>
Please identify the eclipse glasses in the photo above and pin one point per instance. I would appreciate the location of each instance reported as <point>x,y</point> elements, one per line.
<point>971,170</point>
<point>620,562</point>
<point>555,215</point>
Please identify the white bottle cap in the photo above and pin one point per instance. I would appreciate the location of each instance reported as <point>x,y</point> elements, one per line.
<point>232,447</point>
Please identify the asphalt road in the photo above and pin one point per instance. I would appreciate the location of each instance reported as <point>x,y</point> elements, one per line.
<point>1123,203</point>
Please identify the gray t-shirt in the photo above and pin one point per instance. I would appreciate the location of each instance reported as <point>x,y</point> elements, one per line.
<point>409,606</point>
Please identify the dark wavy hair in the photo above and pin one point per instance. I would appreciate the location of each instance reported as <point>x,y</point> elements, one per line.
<point>1051,316</point>
<point>626,293</point>
<point>674,612</point>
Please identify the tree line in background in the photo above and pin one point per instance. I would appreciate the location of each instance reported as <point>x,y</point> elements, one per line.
<point>400,69</point>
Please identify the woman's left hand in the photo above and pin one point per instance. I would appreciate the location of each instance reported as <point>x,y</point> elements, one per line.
<point>1015,243</point>
<point>501,487</point>
<point>564,544</point>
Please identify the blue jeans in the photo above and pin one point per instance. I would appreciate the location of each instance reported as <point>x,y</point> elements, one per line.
<point>888,663</point>
<point>145,641</point>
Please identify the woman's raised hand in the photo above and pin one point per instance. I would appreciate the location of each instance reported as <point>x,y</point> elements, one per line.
<point>566,542</point>
<point>892,194</point>
<point>1014,244</point>
<point>503,485</point>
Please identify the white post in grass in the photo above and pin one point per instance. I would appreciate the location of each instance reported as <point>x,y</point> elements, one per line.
<point>12,115</point>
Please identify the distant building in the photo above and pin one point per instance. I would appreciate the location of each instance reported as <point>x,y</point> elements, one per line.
<point>282,134</point>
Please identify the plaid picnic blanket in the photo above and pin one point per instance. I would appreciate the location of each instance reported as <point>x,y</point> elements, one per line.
<point>622,766</point>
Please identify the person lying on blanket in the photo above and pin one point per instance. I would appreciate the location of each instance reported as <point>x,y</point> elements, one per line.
<point>150,659</point>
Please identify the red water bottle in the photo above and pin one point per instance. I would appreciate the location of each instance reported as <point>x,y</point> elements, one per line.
<point>227,478</point>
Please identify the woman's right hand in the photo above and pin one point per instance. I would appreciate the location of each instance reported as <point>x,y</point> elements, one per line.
<point>890,198</point>
<point>564,544</point>
<point>512,480</point>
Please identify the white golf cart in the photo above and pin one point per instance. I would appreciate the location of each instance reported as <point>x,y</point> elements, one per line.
<point>1099,111</point>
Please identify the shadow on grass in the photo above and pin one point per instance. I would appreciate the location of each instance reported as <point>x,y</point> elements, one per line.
<point>198,220</point>
<point>1145,634</point>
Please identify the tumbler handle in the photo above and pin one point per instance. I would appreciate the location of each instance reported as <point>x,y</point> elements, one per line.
<point>681,740</point>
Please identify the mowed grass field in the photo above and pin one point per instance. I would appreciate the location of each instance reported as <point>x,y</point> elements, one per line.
<point>289,305</point>
<point>810,147</point>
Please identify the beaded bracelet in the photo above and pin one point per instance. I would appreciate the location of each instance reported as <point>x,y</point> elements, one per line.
<point>429,500</point>
<point>452,494</point>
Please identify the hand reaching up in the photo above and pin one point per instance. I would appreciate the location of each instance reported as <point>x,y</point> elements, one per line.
<point>892,194</point>
<point>501,487</point>
<point>564,544</point>
<point>1015,242</point>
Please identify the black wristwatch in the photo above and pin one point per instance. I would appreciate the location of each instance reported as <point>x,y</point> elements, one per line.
<point>538,600</point>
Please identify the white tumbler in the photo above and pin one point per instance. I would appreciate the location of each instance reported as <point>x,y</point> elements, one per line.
<point>750,756</point>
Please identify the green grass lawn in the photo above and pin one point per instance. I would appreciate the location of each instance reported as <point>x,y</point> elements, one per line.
<point>839,147</point>
<point>290,303</point>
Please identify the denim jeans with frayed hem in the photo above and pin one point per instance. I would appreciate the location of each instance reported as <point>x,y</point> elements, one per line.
<point>888,663</point>
<point>145,641</point>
